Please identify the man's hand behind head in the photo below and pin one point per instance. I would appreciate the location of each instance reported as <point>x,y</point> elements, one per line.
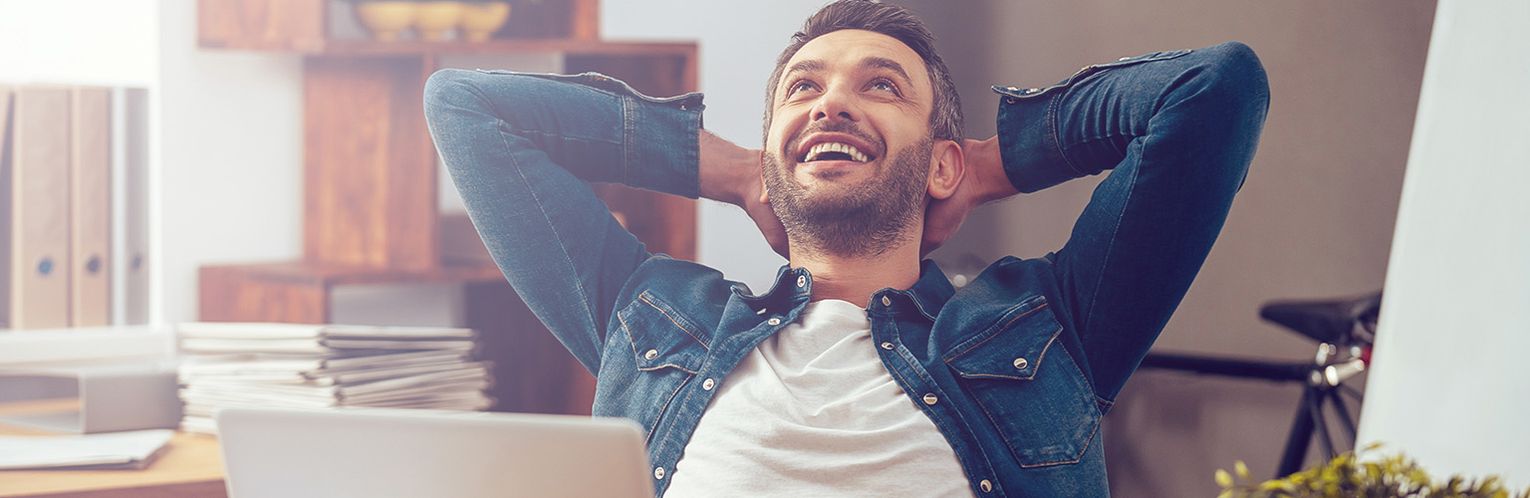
<point>984,181</point>
<point>731,174</point>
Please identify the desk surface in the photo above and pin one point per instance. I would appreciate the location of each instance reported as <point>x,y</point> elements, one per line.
<point>190,466</point>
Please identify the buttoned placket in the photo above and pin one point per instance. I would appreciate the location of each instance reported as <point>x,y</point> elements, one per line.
<point>696,399</point>
<point>917,384</point>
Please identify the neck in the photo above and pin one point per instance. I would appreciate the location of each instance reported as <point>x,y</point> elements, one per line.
<point>855,278</point>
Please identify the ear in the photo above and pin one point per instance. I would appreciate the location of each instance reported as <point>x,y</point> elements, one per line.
<point>947,167</point>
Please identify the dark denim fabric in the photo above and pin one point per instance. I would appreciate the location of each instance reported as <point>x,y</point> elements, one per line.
<point>1015,369</point>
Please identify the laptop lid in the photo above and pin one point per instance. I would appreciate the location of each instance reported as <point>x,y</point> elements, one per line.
<point>373,452</point>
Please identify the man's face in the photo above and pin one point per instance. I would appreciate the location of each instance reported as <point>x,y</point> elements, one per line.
<point>848,149</point>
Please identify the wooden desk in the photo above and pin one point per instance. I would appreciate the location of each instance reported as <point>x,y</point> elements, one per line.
<point>190,466</point>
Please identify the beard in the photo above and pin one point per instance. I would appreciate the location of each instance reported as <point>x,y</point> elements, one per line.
<point>860,220</point>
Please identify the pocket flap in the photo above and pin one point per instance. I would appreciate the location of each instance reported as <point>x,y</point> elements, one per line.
<point>1013,348</point>
<point>660,336</point>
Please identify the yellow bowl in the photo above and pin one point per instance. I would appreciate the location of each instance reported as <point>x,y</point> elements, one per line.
<point>386,19</point>
<point>433,19</point>
<point>481,19</point>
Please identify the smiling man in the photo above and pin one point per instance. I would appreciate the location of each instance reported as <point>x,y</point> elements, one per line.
<point>862,371</point>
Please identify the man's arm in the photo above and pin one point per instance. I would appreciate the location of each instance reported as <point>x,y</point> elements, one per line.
<point>521,150</point>
<point>1177,130</point>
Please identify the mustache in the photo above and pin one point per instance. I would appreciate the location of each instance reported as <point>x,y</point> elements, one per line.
<point>836,126</point>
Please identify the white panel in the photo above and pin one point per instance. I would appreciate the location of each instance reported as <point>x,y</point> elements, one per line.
<point>102,42</point>
<point>229,144</point>
<point>1449,382</point>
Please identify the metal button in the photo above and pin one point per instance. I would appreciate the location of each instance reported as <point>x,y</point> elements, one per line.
<point>773,321</point>
<point>886,301</point>
<point>658,472</point>
<point>762,311</point>
<point>651,354</point>
<point>985,485</point>
<point>930,399</point>
<point>1028,91</point>
<point>1020,363</point>
<point>682,107</point>
<point>1123,59</point>
<point>706,385</point>
<point>887,345</point>
<point>801,281</point>
<point>1010,100</point>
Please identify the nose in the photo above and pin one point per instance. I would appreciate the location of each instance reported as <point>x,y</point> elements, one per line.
<point>836,103</point>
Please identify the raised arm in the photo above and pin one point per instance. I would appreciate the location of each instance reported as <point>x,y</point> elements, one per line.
<point>520,149</point>
<point>1177,130</point>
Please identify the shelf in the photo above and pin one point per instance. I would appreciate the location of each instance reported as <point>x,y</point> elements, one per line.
<point>504,46</point>
<point>328,27</point>
<point>328,275</point>
<point>371,213</point>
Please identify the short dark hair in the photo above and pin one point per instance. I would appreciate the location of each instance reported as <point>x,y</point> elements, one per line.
<point>891,20</point>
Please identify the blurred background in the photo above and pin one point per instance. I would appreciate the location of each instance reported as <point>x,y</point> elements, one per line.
<point>284,162</point>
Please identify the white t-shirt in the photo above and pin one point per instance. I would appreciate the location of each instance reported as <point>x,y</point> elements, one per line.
<point>813,412</point>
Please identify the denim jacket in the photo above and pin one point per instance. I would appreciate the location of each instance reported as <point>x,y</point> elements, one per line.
<point>1015,369</point>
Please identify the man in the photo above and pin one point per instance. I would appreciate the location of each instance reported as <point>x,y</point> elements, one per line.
<point>862,371</point>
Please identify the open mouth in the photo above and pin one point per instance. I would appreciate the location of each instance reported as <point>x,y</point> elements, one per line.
<point>835,151</point>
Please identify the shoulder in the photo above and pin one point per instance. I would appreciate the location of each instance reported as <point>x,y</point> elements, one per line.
<point>693,289</point>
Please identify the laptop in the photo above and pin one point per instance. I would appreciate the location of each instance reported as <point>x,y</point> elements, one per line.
<point>376,452</point>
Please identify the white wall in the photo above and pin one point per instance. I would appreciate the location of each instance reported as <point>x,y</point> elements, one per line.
<point>107,42</point>
<point>230,182</point>
<point>1449,380</point>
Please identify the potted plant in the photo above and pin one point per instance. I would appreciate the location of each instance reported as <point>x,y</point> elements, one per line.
<point>1347,475</point>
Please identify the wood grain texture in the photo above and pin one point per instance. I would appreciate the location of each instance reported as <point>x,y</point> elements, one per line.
<point>264,24</point>
<point>369,172</point>
<point>234,294</point>
<point>585,22</point>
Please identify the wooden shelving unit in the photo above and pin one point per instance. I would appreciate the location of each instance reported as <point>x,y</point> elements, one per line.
<point>370,178</point>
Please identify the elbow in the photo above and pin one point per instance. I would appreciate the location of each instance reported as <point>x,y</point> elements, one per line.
<point>1236,81</point>
<point>447,89</point>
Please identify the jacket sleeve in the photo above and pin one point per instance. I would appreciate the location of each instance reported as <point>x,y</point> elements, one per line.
<point>522,149</point>
<point>1177,131</point>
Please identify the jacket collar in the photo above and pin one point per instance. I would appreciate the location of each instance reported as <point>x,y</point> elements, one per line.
<point>795,285</point>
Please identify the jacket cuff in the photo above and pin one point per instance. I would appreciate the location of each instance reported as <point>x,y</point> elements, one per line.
<point>1028,144</point>
<point>661,149</point>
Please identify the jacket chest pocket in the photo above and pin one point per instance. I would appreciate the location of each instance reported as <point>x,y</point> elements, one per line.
<point>660,336</point>
<point>665,347</point>
<point>1029,387</point>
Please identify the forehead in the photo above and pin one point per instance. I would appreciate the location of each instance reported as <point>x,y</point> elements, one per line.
<point>844,49</point>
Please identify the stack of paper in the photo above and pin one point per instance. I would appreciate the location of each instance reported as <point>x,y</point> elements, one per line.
<point>315,366</point>
<point>113,450</point>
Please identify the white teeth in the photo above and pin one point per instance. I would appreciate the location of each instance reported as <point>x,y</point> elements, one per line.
<point>819,149</point>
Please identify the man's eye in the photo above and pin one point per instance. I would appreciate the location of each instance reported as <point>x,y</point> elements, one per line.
<point>801,85</point>
<point>883,85</point>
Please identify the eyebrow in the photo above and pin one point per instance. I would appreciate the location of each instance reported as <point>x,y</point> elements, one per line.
<point>811,65</point>
<point>888,64</point>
